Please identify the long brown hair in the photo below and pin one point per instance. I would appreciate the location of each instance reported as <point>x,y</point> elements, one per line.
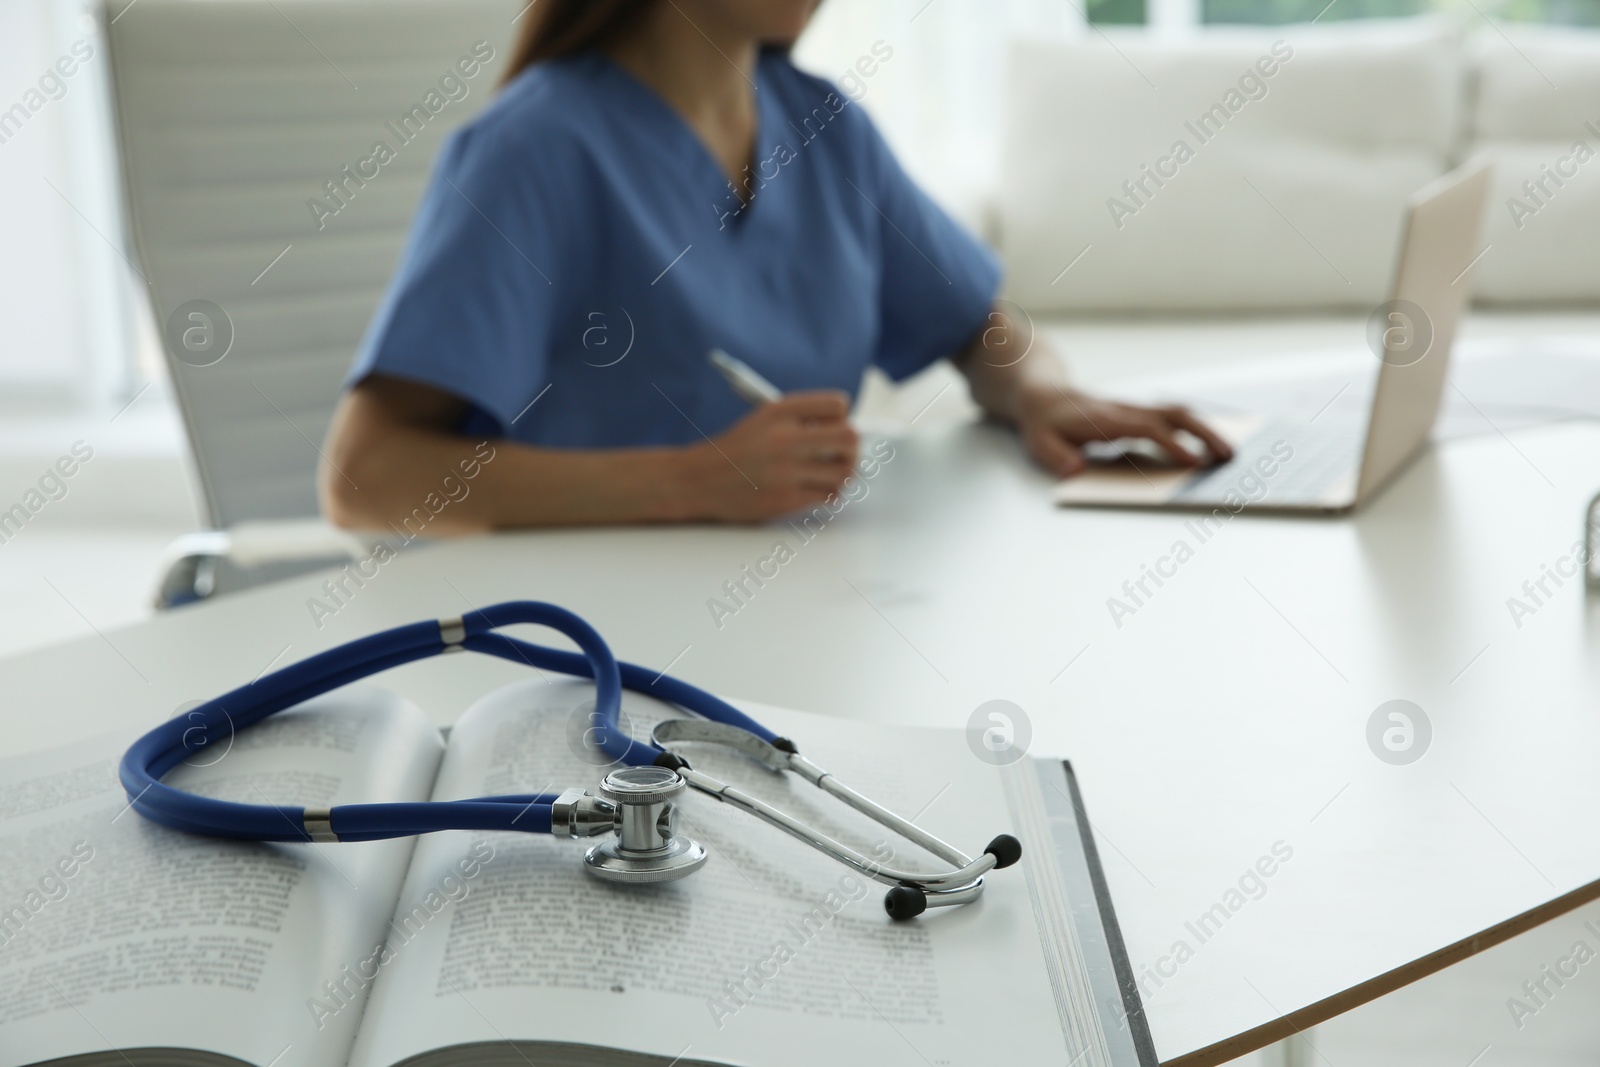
<point>557,28</point>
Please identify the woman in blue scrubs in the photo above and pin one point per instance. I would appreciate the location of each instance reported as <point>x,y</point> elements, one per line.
<point>655,180</point>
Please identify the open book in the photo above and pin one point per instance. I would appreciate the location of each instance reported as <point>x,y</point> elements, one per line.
<point>126,943</point>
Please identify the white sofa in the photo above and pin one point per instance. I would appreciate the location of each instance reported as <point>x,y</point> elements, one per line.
<point>1296,147</point>
<point>1533,103</point>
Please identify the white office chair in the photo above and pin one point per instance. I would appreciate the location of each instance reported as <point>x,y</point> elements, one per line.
<point>237,119</point>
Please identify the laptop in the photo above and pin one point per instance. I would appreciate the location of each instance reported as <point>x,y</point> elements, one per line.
<point>1334,462</point>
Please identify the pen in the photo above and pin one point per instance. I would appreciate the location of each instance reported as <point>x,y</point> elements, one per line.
<point>752,388</point>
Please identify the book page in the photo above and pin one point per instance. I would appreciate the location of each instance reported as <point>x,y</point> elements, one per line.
<point>772,954</point>
<point>117,933</point>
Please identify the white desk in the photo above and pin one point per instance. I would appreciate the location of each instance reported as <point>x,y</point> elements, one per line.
<point>1227,715</point>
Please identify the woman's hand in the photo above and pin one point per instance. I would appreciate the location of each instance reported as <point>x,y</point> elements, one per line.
<point>784,456</point>
<point>1030,391</point>
<point>1054,420</point>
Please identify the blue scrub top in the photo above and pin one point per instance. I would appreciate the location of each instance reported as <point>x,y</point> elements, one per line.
<point>579,251</point>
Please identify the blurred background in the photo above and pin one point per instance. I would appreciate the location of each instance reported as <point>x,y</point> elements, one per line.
<point>175,164</point>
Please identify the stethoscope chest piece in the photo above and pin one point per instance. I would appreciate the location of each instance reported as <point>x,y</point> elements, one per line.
<point>647,846</point>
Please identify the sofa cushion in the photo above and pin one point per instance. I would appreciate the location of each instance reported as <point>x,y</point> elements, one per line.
<point>1535,83</point>
<point>1230,170</point>
<point>1537,112</point>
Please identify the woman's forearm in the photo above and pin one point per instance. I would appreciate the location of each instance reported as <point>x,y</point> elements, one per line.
<point>384,474</point>
<point>1002,360</point>
<point>392,463</point>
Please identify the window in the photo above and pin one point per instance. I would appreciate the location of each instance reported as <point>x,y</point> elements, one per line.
<point>1275,12</point>
<point>1117,12</point>
<point>62,277</point>
<point>1280,11</point>
<point>1558,12</point>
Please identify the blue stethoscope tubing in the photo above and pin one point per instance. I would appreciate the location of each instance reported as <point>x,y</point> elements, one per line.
<point>168,745</point>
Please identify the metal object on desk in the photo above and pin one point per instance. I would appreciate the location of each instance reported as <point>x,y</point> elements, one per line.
<point>1591,544</point>
<point>641,803</point>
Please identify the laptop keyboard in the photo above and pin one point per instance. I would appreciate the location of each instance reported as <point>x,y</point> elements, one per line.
<point>1321,454</point>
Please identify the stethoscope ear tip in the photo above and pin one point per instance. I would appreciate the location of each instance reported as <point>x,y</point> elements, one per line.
<point>1005,849</point>
<point>905,902</point>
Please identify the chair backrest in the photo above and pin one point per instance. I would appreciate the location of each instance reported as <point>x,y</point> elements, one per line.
<point>273,152</point>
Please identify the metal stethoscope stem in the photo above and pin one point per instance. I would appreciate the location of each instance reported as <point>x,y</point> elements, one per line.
<point>966,879</point>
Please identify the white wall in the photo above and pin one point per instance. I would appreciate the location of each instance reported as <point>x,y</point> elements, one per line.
<point>937,98</point>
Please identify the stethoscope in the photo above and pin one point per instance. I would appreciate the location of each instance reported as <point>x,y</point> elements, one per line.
<point>637,802</point>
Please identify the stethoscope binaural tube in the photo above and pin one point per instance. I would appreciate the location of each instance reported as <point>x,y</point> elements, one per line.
<point>913,892</point>
<point>637,802</point>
